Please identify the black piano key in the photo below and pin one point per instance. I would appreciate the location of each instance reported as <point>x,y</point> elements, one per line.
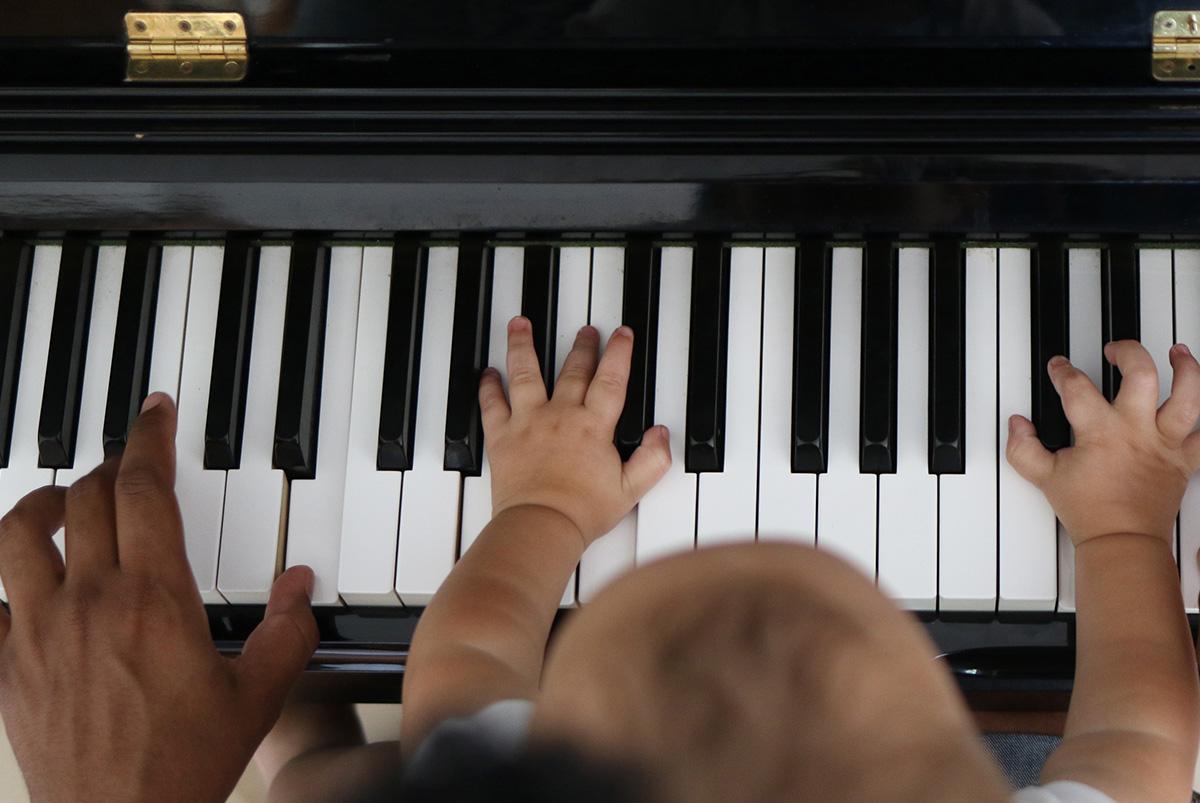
<point>1048,311</point>
<point>947,366</point>
<point>468,356</point>
<point>539,303</point>
<point>877,418</point>
<point>708,342</point>
<point>402,356</point>
<point>810,358</point>
<point>640,313</point>
<point>231,355</point>
<point>298,409</point>
<point>1121,306</point>
<point>16,271</point>
<point>67,354</point>
<point>133,341</point>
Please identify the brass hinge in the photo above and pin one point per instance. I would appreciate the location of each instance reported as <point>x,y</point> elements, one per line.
<point>185,47</point>
<point>1176,46</point>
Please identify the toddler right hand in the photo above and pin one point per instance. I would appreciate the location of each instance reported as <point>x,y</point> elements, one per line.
<point>1131,460</point>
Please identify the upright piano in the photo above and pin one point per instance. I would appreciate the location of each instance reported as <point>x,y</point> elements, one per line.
<point>847,239</point>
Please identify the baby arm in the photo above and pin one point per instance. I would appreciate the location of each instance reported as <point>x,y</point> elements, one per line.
<point>1134,719</point>
<point>316,752</point>
<point>558,483</point>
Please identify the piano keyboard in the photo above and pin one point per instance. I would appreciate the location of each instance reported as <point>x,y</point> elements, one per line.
<point>851,396</point>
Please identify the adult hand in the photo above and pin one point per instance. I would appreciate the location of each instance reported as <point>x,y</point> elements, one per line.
<point>110,687</point>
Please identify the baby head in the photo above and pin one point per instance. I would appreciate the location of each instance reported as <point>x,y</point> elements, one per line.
<point>761,672</point>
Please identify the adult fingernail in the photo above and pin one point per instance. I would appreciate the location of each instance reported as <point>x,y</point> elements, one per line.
<point>154,400</point>
<point>624,331</point>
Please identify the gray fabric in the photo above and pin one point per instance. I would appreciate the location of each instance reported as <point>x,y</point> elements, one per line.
<point>1021,755</point>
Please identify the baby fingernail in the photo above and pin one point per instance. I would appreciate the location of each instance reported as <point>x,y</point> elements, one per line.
<point>1183,349</point>
<point>1058,361</point>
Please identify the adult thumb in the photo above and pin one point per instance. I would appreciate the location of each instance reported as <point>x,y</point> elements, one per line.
<point>279,648</point>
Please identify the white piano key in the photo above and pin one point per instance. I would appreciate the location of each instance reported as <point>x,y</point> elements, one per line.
<point>1156,293</point>
<point>1028,529</point>
<point>908,498</point>
<point>574,296</point>
<point>170,315</point>
<point>1086,338</point>
<point>508,270</point>
<point>1156,288</point>
<point>614,552</point>
<point>315,506</point>
<point>256,491</point>
<point>725,508</point>
<point>666,517</point>
<point>371,507</point>
<point>428,537</point>
<point>102,327</point>
<point>201,492</point>
<point>846,499</point>
<point>787,502</point>
<point>967,501</point>
<point>93,400</point>
<point>22,474</point>
<point>1187,322</point>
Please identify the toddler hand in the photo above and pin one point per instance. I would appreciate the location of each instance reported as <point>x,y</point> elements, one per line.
<point>558,453</point>
<point>1131,460</point>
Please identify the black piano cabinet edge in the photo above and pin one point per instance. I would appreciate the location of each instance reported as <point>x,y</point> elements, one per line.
<point>989,675</point>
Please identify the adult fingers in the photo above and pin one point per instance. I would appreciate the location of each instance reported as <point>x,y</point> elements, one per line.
<point>279,648</point>
<point>526,389</point>
<point>30,566</point>
<point>1139,377</point>
<point>91,522</point>
<point>1026,453</point>
<point>648,463</point>
<point>579,367</point>
<point>1177,415</point>
<point>606,393</point>
<point>492,405</point>
<point>149,528</point>
<point>1081,400</point>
